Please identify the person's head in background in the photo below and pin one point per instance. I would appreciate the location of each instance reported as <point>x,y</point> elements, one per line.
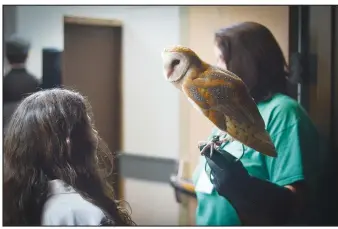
<point>250,51</point>
<point>16,51</point>
<point>51,136</point>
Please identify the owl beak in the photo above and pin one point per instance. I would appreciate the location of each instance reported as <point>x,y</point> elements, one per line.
<point>169,72</point>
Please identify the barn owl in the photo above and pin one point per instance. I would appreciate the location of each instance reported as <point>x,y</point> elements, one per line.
<point>219,95</point>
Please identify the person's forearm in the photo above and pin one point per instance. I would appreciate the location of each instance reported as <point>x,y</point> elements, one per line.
<point>259,202</point>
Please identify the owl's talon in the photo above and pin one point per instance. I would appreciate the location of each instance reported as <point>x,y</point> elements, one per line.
<point>211,150</point>
<point>215,142</point>
<point>200,143</point>
<point>204,149</point>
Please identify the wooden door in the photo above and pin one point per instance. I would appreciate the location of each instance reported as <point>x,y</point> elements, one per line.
<point>92,66</point>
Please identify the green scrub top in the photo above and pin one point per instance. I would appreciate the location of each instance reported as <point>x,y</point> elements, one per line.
<point>294,136</point>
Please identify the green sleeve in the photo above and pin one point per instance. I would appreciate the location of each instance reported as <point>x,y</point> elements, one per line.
<point>297,148</point>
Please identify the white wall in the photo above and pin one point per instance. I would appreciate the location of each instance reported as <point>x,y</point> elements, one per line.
<point>150,105</point>
<point>152,203</point>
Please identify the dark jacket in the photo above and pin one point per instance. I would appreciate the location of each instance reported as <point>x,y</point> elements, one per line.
<point>8,110</point>
<point>18,84</point>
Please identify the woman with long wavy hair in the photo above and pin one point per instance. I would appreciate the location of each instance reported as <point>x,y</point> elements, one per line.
<point>52,174</point>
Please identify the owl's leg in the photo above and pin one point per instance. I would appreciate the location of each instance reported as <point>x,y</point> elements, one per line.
<point>226,138</point>
<point>218,119</point>
<point>208,145</point>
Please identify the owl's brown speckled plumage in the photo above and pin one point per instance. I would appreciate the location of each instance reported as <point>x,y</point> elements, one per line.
<point>220,95</point>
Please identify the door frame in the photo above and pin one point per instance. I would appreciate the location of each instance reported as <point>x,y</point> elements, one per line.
<point>321,97</point>
<point>299,43</point>
<point>113,23</point>
<point>315,29</point>
<point>335,83</point>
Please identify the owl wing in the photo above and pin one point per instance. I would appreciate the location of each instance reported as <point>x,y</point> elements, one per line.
<point>240,98</point>
<point>198,97</point>
<point>222,91</point>
<point>225,100</point>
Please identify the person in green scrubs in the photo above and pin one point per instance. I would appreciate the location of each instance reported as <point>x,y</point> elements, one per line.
<point>277,197</point>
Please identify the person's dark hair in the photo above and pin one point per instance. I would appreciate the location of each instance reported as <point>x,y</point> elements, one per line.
<point>16,49</point>
<point>251,51</point>
<point>51,136</point>
<point>16,58</point>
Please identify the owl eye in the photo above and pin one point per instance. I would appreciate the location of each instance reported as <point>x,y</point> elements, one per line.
<point>175,62</point>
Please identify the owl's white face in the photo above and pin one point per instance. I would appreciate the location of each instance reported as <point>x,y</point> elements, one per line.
<point>175,66</point>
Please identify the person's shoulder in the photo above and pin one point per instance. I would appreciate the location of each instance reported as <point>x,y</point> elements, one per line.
<point>14,74</point>
<point>31,76</point>
<point>8,110</point>
<point>283,104</point>
<point>8,76</point>
<point>70,209</point>
<point>284,112</point>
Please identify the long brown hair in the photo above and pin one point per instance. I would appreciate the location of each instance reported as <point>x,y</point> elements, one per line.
<point>251,51</point>
<point>51,136</point>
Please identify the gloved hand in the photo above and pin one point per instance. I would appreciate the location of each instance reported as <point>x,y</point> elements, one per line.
<point>226,171</point>
<point>257,202</point>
